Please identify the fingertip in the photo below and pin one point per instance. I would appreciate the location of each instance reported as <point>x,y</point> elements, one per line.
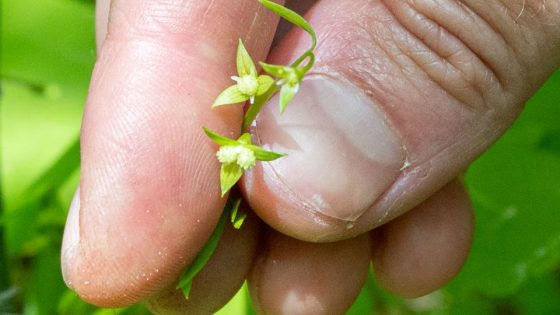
<point>425,248</point>
<point>295,277</point>
<point>220,278</point>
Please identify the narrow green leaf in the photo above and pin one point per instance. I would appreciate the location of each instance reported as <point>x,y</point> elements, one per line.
<point>231,95</point>
<point>291,17</point>
<point>264,155</point>
<point>265,82</point>
<point>278,71</point>
<point>287,92</point>
<point>237,217</point>
<point>219,139</point>
<point>229,175</point>
<point>185,282</point>
<point>245,65</point>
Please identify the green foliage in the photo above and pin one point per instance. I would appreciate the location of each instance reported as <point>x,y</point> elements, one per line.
<point>47,57</point>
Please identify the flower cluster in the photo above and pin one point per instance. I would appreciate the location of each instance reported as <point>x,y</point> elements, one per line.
<point>239,155</point>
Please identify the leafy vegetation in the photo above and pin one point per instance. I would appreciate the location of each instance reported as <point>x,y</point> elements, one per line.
<point>47,57</point>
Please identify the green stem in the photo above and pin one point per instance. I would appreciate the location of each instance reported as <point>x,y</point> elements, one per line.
<point>254,109</point>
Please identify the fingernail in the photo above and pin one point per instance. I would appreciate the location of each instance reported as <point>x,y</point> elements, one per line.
<point>71,234</point>
<point>342,152</point>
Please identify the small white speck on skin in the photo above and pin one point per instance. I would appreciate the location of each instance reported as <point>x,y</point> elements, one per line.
<point>406,165</point>
<point>319,201</point>
<point>349,225</point>
<point>86,282</point>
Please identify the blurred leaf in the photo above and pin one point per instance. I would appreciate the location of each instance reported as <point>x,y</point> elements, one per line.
<point>516,192</point>
<point>539,297</point>
<point>46,285</point>
<point>49,42</point>
<point>550,142</point>
<point>56,175</point>
<point>70,304</point>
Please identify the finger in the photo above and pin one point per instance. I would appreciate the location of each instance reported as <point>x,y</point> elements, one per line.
<point>221,277</point>
<point>425,248</point>
<point>295,277</point>
<point>101,21</point>
<point>149,194</point>
<point>401,100</point>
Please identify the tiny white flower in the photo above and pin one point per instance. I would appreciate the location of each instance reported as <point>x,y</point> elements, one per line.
<point>238,154</point>
<point>248,84</point>
<point>246,158</point>
<point>227,154</point>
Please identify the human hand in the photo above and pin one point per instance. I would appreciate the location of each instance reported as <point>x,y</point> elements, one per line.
<point>405,96</point>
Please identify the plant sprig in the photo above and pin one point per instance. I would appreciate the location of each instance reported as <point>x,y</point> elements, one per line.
<point>202,258</point>
<point>258,89</point>
<point>238,155</point>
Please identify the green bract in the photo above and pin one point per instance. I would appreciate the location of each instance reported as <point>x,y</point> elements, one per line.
<point>290,78</point>
<point>249,84</point>
<point>237,156</point>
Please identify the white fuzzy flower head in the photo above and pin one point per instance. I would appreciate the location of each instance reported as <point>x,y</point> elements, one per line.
<point>227,154</point>
<point>248,84</point>
<point>238,154</point>
<point>246,158</point>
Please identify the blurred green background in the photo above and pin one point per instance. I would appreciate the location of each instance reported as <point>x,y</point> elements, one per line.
<point>47,55</point>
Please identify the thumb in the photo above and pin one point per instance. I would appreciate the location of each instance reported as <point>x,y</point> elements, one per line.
<point>403,98</point>
<point>149,192</point>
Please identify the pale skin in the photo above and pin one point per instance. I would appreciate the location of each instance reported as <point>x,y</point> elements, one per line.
<point>448,78</point>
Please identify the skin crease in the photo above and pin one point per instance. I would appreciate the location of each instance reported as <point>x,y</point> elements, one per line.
<point>533,50</point>
<point>415,62</point>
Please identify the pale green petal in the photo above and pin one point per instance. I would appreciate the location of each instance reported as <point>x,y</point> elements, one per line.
<point>231,95</point>
<point>287,92</point>
<point>245,65</point>
<point>219,139</point>
<point>237,216</point>
<point>229,176</point>
<point>265,82</point>
<point>265,155</point>
<point>275,70</point>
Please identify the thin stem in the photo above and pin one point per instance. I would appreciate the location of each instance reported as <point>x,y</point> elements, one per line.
<point>254,109</point>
